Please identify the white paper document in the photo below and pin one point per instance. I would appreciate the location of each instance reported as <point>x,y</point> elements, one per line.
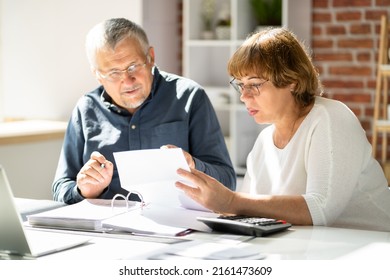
<point>159,220</point>
<point>103,215</point>
<point>148,166</point>
<point>85,215</point>
<point>153,173</point>
<point>198,249</point>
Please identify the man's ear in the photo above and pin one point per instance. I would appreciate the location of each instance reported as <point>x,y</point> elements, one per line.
<point>96,74</point>
<point>151,55</point>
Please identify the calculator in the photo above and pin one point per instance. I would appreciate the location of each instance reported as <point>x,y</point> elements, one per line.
<point>245,225</point>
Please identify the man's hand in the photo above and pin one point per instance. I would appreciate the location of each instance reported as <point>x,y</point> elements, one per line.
<point>94,176</point>
<point>188,157</point>
<point>206,190</point>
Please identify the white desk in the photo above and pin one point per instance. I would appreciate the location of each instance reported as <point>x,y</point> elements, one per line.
<point>297,243</point>
<point>366,256</point>
<point>324,243</point>
<point>361,254</point>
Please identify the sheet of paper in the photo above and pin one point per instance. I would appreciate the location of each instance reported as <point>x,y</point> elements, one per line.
<point>136,222</point>
<point>177,216</point>
<point>152,173</point>
<point>142,167</point>
<point>198,249</point>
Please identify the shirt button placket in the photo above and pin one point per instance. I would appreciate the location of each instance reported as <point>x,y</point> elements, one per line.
<point>134,137</point>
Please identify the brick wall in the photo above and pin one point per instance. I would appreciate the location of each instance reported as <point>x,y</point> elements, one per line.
<point>345,42</point>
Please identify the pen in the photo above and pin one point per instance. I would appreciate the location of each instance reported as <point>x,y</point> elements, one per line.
<point>185,232</point>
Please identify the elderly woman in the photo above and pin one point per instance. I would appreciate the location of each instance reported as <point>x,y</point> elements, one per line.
<point>313,164</point>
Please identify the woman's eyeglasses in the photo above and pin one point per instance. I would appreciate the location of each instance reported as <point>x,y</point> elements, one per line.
<point>250,89</point>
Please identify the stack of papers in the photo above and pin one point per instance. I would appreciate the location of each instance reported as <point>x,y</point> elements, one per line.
<point>85,215</point>
<point>155,219</point>
<point>98,215</point>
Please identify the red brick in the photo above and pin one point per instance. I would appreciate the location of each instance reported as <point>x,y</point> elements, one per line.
<point>375,14</point>
<point>356,43</point>
<point>348,16</point>
<point>322,43</point>
<point>316,30</point>
<point>320,4</point>
<point>360,29</point>
<point>384,3</point>
<point>335,30</point>
<point>371,84</point>
<point>321,17</point>
<point>369,111</point>
<point>363,57</point>
<point>334,56</point>
<point>351,3</point>
<point>350,70</point>
<point>342,84</point>
<point>360,98</point>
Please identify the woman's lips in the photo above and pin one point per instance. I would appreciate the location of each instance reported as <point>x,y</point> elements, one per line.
<point>252,112</point>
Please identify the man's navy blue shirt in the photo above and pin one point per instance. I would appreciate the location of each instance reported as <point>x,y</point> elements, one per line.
<point>178,112</point>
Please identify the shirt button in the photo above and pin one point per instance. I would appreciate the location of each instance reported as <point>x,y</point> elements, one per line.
<point>133,126</point>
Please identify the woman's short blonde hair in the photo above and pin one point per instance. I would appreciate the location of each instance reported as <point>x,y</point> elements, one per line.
<point>276,55</point>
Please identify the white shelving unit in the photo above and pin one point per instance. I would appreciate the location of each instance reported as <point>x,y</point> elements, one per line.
<point>205,61</point>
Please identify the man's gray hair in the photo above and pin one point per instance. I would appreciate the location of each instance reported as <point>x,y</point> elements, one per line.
<point>108,33</point>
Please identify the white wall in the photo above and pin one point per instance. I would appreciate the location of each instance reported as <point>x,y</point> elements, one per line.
<point>30,167</point>
<point>160,21</point>
<point>1,59</point>
<point>43,66</point>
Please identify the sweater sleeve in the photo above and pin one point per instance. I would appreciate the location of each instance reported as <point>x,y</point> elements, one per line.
<point>334,160</point>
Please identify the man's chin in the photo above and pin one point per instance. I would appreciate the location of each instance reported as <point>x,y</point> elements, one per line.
<point>133,104</point>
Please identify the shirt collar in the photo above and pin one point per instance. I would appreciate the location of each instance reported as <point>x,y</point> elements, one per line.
<point>107,101</point>
<point>156,76</point>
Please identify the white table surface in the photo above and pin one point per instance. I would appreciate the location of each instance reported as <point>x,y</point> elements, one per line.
<point>297,243</point>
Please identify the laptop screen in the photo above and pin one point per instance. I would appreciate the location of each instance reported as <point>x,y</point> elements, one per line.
<point>12,237</point>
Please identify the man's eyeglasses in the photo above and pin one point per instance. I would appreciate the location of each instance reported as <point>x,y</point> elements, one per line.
<point>250,89</point>
<point>117,75</point>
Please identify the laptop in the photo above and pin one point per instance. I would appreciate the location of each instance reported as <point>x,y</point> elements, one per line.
<point>15,240</point>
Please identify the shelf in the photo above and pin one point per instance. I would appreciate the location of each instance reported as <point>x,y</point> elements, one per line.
<point>31,131</point>
<point>205,61</point>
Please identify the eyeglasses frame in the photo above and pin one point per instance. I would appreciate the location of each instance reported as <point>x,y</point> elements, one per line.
<point>249,88</point>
